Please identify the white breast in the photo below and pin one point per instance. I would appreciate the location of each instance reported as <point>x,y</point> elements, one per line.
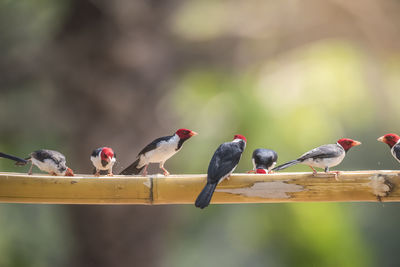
<point>97,163</point>
<point>164,151</point>
<point>47,166</point>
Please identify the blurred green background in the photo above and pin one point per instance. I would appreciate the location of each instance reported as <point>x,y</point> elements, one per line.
<point>289,75</point>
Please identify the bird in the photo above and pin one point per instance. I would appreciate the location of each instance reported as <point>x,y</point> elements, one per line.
<point>393,141</point>
<point>324,156</point>
<point>159,151</point>
<point>103,159</point>
<point>222,164</point>
<point>49,161</point>
<point>263,160</point>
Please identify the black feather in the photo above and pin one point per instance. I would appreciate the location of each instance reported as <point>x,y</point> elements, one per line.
<point>96,152</point>
<point>132,169</point>
<point>18,161</point>
<point>153,145</point>
<point>204,198</point>
<point>286,165</point>
<point>396,151</point>
<point>264,158</point>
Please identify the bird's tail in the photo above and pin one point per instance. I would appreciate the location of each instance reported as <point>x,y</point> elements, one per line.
<point>287,164</point>
<point>132,169</point>
<point>204,198</point>
<point>18,161</point>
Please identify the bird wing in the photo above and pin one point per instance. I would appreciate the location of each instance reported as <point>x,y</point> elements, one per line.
<point>325,151</point>
<point>43,154</point>
<point>396,151</point>
<point>153,145</point>
<point>96,152</point>
<point>224,160</point>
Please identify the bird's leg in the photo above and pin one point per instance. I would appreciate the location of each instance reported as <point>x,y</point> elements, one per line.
<point>145,170</point>
<point>110,173</point>
<point>314,171</point>
<point>30,169</point>
<point>166,173</point>
<point>336,173</point>
<point>271,172</point>
<point>97,173</point>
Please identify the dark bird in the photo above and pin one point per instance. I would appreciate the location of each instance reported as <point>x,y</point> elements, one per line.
<point>103,159</point>
<point>325,156</point>
<point>392,140</point>
<point>222,164</point>
<point>159,151</point>
<point>264,160</point>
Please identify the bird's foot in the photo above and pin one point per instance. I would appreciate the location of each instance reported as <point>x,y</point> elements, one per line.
<point>271,172</point>
<point>110,174</point>
<point>166,173</point>
<point>252,171</point>
<point>336,173</point>
<point>53,174</point>
<point>97,173</point>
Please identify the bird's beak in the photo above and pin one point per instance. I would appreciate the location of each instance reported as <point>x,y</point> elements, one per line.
<point>192,133</point>
<point>356,143</point>
<point>381,139</point>
<point>69,172</point>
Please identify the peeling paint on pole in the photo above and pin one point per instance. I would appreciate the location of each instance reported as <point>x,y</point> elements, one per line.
<point>274,190</point>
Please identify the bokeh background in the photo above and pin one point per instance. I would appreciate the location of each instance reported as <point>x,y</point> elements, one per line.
<point>289,75</point>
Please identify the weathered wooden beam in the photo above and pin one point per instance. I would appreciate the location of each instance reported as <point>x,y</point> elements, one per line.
<point>183,189</point>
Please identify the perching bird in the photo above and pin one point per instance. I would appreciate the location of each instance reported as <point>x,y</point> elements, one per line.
<point>103,159</point>
<point>17,160</point>
<point>325,156</point>
<point>159,151</point>
<point>222,164</point>
<point>264,160</point>
<point>393,141</point>
<point>49,161</point>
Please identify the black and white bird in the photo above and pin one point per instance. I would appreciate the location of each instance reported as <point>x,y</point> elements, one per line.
<point>393,141</point>
<point>264,160</point>
<point>325,156</point>
<point>103,159</point>
<point>49,161</point>
<point>159,151</point>
<point>222,164</point>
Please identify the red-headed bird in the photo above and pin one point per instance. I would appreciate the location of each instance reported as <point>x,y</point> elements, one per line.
<point>103,159</point>
<point>49,161</point>
<point>393,141</point>
<point>264,160</point>
<point>325,156</point>
<point>222,164</point>
<point>159,151</point>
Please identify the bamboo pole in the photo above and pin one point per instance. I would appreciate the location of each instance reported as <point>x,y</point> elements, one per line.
<point>183,189</point>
